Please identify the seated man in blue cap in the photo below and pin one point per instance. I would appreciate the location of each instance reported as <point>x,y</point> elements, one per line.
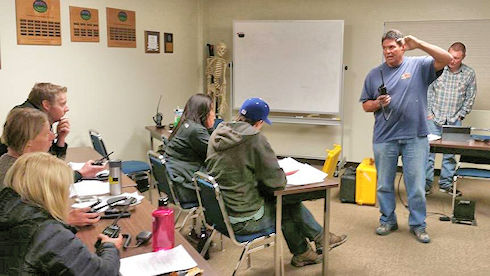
<point>243,163</point>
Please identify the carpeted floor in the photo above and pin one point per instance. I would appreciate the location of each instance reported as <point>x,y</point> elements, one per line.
<point>454,248</point>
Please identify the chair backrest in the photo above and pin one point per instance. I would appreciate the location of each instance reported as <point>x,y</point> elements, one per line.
<point>165,141</point>
<point>97,142</point>
<point>331,160</point>
<point>212,204</point>
<point>162,176</point>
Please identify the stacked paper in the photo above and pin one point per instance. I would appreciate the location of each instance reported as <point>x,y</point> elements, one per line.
<point>300,173</point>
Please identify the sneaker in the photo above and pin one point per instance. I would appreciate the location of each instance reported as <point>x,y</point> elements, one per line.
<point>449,191</point>
<point>308,258</point>
<point>421,235</point>
<point>334,241</point>
<point>385,229</point>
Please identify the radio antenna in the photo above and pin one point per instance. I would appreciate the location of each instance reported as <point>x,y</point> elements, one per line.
<point>159,100</point>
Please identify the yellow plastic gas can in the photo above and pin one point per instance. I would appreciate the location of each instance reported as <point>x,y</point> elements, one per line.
<point>366,182</point>
<point>331,160</point>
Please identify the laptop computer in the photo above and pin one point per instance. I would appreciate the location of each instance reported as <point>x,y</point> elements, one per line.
<point>456,133</point>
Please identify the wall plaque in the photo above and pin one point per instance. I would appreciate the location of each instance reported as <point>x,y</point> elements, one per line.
<point>38,22</point>
<point>84,24</point>
<point>121,28</point>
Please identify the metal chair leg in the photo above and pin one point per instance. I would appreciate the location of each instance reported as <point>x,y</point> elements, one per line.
<point>244,254</point>
<point>208,243</point>
<point>455,184</point>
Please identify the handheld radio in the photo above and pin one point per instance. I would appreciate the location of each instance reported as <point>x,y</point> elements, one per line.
<point>382,88</point>
<point>109,203</point>
<point>113,230</point>
<point>383,91</point>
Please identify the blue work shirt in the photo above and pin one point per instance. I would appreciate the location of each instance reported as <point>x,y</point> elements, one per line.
<point>407,85</point>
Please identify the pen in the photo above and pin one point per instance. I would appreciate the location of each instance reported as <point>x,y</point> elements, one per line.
<point>95,204</point>
<point>108,204</point>
<point>99,161</point>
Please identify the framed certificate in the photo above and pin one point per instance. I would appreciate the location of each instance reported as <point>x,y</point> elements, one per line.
<point>168,38</point>
<point>152,42</point>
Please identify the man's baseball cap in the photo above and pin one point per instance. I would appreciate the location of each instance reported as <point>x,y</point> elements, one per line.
<point>255,109</point>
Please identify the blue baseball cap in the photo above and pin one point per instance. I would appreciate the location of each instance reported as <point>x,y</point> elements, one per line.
<point>255,109</point>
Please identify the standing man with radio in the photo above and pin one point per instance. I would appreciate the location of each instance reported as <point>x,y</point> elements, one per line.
<point>403,81</point>
<point>449,99</point>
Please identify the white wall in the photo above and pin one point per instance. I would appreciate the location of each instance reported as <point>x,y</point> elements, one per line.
<point>363,29</point>
<point>113,90</point>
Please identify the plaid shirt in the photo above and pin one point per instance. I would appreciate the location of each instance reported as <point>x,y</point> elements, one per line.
<point>451,96</point>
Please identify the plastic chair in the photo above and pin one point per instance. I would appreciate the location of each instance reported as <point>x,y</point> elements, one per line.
<point>468,172</point>
<point>331,160</point>
<point>131,168</point>
<point>163,178</point>
<point>212,206</point>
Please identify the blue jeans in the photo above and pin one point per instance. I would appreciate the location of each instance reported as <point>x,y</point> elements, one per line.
<point>297,225</point>
<point>414,157</point>
<point>448,166</point>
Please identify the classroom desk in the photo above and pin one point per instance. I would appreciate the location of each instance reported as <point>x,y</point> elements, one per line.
<point>157,133</point>
<point>140,219</point>
<point>305,192</point>
<point>470,148</point>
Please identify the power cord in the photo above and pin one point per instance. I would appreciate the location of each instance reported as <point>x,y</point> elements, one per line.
<point>384,113</point>
<point>443,217</point>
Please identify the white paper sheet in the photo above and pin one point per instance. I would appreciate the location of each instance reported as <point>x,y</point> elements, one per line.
<point>289,165</point>
<point>300,174</point>
<point>433,137</point>
<point>89,187</point>
<point>156,263</point>
<point>75,166</point>
<point>152,42</point>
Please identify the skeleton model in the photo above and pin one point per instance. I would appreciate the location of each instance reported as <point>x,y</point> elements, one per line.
<point>216,78</point>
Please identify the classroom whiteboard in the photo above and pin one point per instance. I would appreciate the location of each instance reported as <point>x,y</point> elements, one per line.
<point>473,33</point>
<point>294,65</point>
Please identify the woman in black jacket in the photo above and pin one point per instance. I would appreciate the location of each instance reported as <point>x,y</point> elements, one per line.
<point>33,235</point>
<point>188,145</point>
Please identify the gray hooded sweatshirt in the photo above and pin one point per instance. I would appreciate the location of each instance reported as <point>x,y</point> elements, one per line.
<point>245,167</point>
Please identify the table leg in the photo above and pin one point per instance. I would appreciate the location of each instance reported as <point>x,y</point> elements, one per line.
<point>326,231</point>
<point>151,141</point>
<point>278,260</point>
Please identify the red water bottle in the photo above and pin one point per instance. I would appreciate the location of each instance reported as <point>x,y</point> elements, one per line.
<point>163,226</point>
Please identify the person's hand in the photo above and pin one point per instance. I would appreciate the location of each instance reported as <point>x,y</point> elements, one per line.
<point>430,116</point>
<point>116,241</point>
<point>62,130</point>
<point>89,171</point>
<point>80,217</point>
<point>384,100</point>
<point>410,42</point>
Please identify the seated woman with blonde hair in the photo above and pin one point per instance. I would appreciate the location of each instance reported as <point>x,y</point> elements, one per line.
<point>33,235</point>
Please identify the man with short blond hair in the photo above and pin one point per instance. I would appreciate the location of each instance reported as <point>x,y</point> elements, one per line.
<point>51,99</point>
